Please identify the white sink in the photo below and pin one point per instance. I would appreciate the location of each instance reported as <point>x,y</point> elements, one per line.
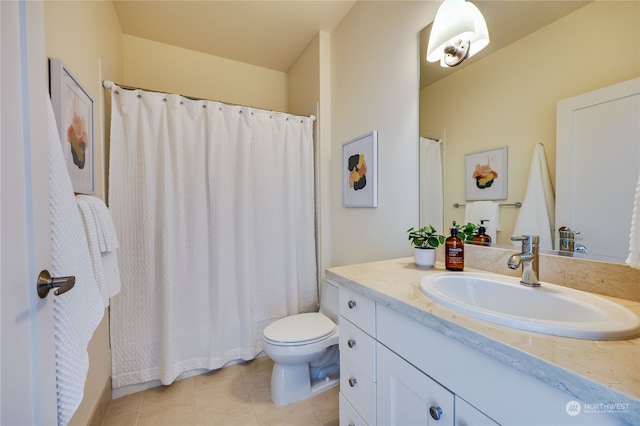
<point>548,309</point>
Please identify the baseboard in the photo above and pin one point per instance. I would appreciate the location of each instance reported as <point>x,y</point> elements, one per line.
<point>100,412</point>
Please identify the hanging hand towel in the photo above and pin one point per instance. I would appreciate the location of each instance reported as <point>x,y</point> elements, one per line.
<point>633,259</point>
<point>476,211</point>
<point>77,312</point>
<point>103,243</point>
<point>538,212</point>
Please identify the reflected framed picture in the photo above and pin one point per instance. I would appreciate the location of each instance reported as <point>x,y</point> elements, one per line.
<point>485,175</point>
<point>73,110</point>
<point>360,171</point>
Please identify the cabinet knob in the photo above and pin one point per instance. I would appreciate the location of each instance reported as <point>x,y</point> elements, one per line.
<point>352,381</point>
<point>351,304</point>
<point>436,412</point>
<point>351,343</point>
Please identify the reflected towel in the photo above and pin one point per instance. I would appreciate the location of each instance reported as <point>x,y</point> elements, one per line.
<point>484,210</point>
<point>101,236</point>
<point>538,212</point>
<point>77,312</point>
<point>633,259</point>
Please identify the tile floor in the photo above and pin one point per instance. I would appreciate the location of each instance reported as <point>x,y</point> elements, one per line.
<point>238,395</point>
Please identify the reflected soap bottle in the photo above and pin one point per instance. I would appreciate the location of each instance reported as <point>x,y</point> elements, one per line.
<point>454,251</point>
<point>482,239</point>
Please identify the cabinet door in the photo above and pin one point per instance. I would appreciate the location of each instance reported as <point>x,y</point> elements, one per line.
<point>406,396</point>
<point>468,415</point>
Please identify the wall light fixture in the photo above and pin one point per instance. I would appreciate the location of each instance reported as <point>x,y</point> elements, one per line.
<point>458,32</point>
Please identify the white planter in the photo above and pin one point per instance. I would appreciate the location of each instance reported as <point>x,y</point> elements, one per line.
<point>424,257</point>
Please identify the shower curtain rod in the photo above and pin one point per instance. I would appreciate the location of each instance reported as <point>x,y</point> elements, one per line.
<point>108,84</point>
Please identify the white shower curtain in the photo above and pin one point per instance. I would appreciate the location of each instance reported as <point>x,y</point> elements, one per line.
<point>214,207</point>
<point>431,189</point>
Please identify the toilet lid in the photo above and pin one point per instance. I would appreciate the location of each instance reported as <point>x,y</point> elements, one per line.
<point>299,328</point>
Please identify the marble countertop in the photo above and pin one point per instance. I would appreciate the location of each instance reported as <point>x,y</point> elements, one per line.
<point>594,371</point>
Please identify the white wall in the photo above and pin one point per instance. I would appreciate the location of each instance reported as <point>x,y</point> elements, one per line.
<point>375,86</point>
<point>158,66</point>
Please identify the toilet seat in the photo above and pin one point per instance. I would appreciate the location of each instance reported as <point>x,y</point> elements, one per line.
<point>301,329</point>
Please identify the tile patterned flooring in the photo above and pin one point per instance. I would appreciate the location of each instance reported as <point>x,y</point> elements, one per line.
<point>238,395</point>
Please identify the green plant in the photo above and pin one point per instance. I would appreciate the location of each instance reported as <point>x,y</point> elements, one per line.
<point>467,232</point>
<point>425,237</point>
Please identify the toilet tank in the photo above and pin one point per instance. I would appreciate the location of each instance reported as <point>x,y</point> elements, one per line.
<point>329,300</point>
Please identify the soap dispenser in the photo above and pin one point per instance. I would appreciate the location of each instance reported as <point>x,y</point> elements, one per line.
<point>454,251</point>
<point>482,239</point>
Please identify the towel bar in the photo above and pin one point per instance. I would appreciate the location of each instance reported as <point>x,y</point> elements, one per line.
<point>517,205</point>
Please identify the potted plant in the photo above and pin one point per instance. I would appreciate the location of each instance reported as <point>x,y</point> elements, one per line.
<point>467,232</point>
<point>425,240</point>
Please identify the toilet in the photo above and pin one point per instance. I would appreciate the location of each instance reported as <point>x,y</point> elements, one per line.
<point>304,349</point>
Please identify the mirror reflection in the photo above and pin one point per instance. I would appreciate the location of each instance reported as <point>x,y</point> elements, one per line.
<point>507,95</point>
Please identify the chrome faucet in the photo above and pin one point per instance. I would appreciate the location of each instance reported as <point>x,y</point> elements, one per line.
<point>567,240</point>
<point>528,259</point>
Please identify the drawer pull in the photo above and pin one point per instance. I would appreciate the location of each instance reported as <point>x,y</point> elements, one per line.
<point>352,382</point>
<point>436,412</point>
<point>351,343</point>
<point>351,304</point>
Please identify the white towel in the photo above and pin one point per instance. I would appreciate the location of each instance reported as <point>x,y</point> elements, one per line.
<point>101,236</point>
<point>633,259</point>
<point>476,211</point>
<point>538,212</point>
<point>77,312</point>
<point>431,191</point>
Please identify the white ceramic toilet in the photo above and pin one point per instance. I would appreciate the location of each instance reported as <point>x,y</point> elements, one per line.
<point>304,349</point>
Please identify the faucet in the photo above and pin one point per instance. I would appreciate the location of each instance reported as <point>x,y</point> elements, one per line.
<point>567,241</point>
<point>528,259</point>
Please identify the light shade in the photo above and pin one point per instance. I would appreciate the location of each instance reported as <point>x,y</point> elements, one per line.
<point>458,32</point>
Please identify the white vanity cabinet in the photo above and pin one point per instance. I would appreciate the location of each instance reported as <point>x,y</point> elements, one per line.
<point>357,359</point>
<point>395,370</point>
<point>406,396</point>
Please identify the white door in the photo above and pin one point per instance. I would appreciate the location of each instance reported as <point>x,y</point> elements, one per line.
<point>27,393</point>
<point>597,166</point>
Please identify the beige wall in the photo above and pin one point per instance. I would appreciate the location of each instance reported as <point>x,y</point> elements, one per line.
<point>509,97</point>
<point>374,86</point>
<point>165,68</point>
<point>86,36</point>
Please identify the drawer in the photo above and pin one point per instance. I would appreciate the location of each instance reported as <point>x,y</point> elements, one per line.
<point>359,310</point>
<point>359,389</point>
<point>348,415</point>
<point>358,347</point>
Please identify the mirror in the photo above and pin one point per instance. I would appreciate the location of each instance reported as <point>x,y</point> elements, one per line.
<point>540,53</point>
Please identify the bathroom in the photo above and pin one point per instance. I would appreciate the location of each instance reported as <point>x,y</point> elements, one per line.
<point>377,39</point>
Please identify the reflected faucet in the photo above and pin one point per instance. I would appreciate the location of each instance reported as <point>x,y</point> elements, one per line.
<point>528,259</point>
<point>567,240</point>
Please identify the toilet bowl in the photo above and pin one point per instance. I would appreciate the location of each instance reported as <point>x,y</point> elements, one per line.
<point>304,349</point>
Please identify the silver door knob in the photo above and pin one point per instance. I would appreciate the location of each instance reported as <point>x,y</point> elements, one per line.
<point>435,412</point>
<point>351,304</point>
<point>353,381</point>
<point>351,343</point>
<point>46,282</point>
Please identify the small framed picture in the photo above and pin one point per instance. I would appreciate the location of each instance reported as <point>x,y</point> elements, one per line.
<point>73,109</point>
<point>360,171</point>
<point>485,175</point>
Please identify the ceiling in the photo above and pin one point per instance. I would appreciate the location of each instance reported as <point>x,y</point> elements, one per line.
<point>272,34</point>
<point>507,21</point>
<point>266,33</point>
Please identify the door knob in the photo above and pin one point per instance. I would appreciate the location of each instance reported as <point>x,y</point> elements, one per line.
<point>46,282</point>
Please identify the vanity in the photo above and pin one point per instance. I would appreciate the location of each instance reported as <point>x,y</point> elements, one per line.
<point>405,359</point>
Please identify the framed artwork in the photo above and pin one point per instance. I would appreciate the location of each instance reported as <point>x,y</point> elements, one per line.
<point>73,109</point>
<point>485,175</point>
<point>360,171</point>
